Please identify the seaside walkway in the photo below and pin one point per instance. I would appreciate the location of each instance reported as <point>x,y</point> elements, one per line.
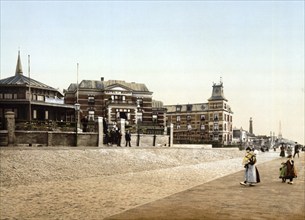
<point>226,199</point>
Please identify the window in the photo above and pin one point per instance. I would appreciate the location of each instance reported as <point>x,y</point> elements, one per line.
<point>34,114</point>
<point>189,108</point>
<point>139,103</point>
<point>202,127</point>
<point>178,126</point>
<point>91,115</point>
<point>202,117</point>
<point>178,108</point>
<point>8,96</point>
<point>139,116</point>
<point>216,128</point>
<point>91,100</point>
<point>40,98</point>
<point>178,118</point>
<point>1,96</point>
<point>188,118</point>
<point>46,115</point>
<point>215,116</point>
<point>189,127</point>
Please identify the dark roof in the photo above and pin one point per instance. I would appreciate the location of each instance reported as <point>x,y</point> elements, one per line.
<point>105,85</point>
<point>23,80</point>
<point>91,84</point>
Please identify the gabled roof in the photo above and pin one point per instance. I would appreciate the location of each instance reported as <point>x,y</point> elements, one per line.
<point>140,87</point>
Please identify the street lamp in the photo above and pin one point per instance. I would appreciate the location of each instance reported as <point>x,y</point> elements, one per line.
<point>154,117</point>
<point>138,133</point>
<point>76,107</point>
<point>189,129</point>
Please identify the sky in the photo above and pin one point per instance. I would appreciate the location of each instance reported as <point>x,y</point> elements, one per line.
<point>178,49</point>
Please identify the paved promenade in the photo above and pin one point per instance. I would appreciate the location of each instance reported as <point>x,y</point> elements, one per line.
<point>225,198</point>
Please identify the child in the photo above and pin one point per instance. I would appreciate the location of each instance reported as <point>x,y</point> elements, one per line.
<point>283,170</point>
<point>290,170</point>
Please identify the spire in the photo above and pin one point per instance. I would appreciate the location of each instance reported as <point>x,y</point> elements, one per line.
<point>280,131</point>
<point>19,67</point>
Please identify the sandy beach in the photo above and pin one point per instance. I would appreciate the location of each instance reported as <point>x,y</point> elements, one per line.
<point>94,183</point>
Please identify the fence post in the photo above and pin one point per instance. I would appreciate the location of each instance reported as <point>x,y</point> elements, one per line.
<point>171,135</point>
<point>10,123</point>
<point>100,132</point>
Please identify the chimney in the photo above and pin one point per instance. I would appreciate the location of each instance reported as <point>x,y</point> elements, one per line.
<point>102,79</point>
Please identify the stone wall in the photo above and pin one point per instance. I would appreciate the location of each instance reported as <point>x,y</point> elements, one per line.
<point>11,137</point>
<point>46,138</point>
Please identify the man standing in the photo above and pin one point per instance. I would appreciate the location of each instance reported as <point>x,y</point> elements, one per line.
<point>127,138</point>
<point>296,149</point>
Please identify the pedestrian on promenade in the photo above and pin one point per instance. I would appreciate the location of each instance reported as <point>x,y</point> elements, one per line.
<point>127,138</point>
<point>291,171</point>
<point>289,151</point>
<point>282,148</point>
<point>251,173</point>
<point>296,150</point>
<point>118,137</point>
<point>283,171</point>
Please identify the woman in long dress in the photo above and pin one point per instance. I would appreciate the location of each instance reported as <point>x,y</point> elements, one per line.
<point>251,173</point>
<point>290,170</point>
<point>282,148</point>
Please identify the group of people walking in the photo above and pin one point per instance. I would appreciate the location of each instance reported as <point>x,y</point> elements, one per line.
<point>288,150</point>
<point>114,137</point>
<point>287,169</point>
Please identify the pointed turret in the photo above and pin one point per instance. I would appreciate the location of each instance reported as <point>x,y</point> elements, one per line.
<point>19,67</point>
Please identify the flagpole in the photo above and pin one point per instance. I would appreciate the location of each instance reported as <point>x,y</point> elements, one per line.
<point>30,98</point>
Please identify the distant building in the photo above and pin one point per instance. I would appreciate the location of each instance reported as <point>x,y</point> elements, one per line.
<point>240,136</point>
<point>203,122</point>
<point>31,100</point>
<point>115,100</point>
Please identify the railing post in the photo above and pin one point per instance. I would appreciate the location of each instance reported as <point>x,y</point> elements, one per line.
<point>100,131</point>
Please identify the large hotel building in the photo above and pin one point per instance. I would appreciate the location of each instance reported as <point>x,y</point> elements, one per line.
<point>203,122</point>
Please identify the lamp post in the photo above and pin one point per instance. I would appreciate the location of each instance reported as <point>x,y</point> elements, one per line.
<point>189,129</point>
<point>138,133</point>
<point>76,107</point>
<point>154,117</point>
